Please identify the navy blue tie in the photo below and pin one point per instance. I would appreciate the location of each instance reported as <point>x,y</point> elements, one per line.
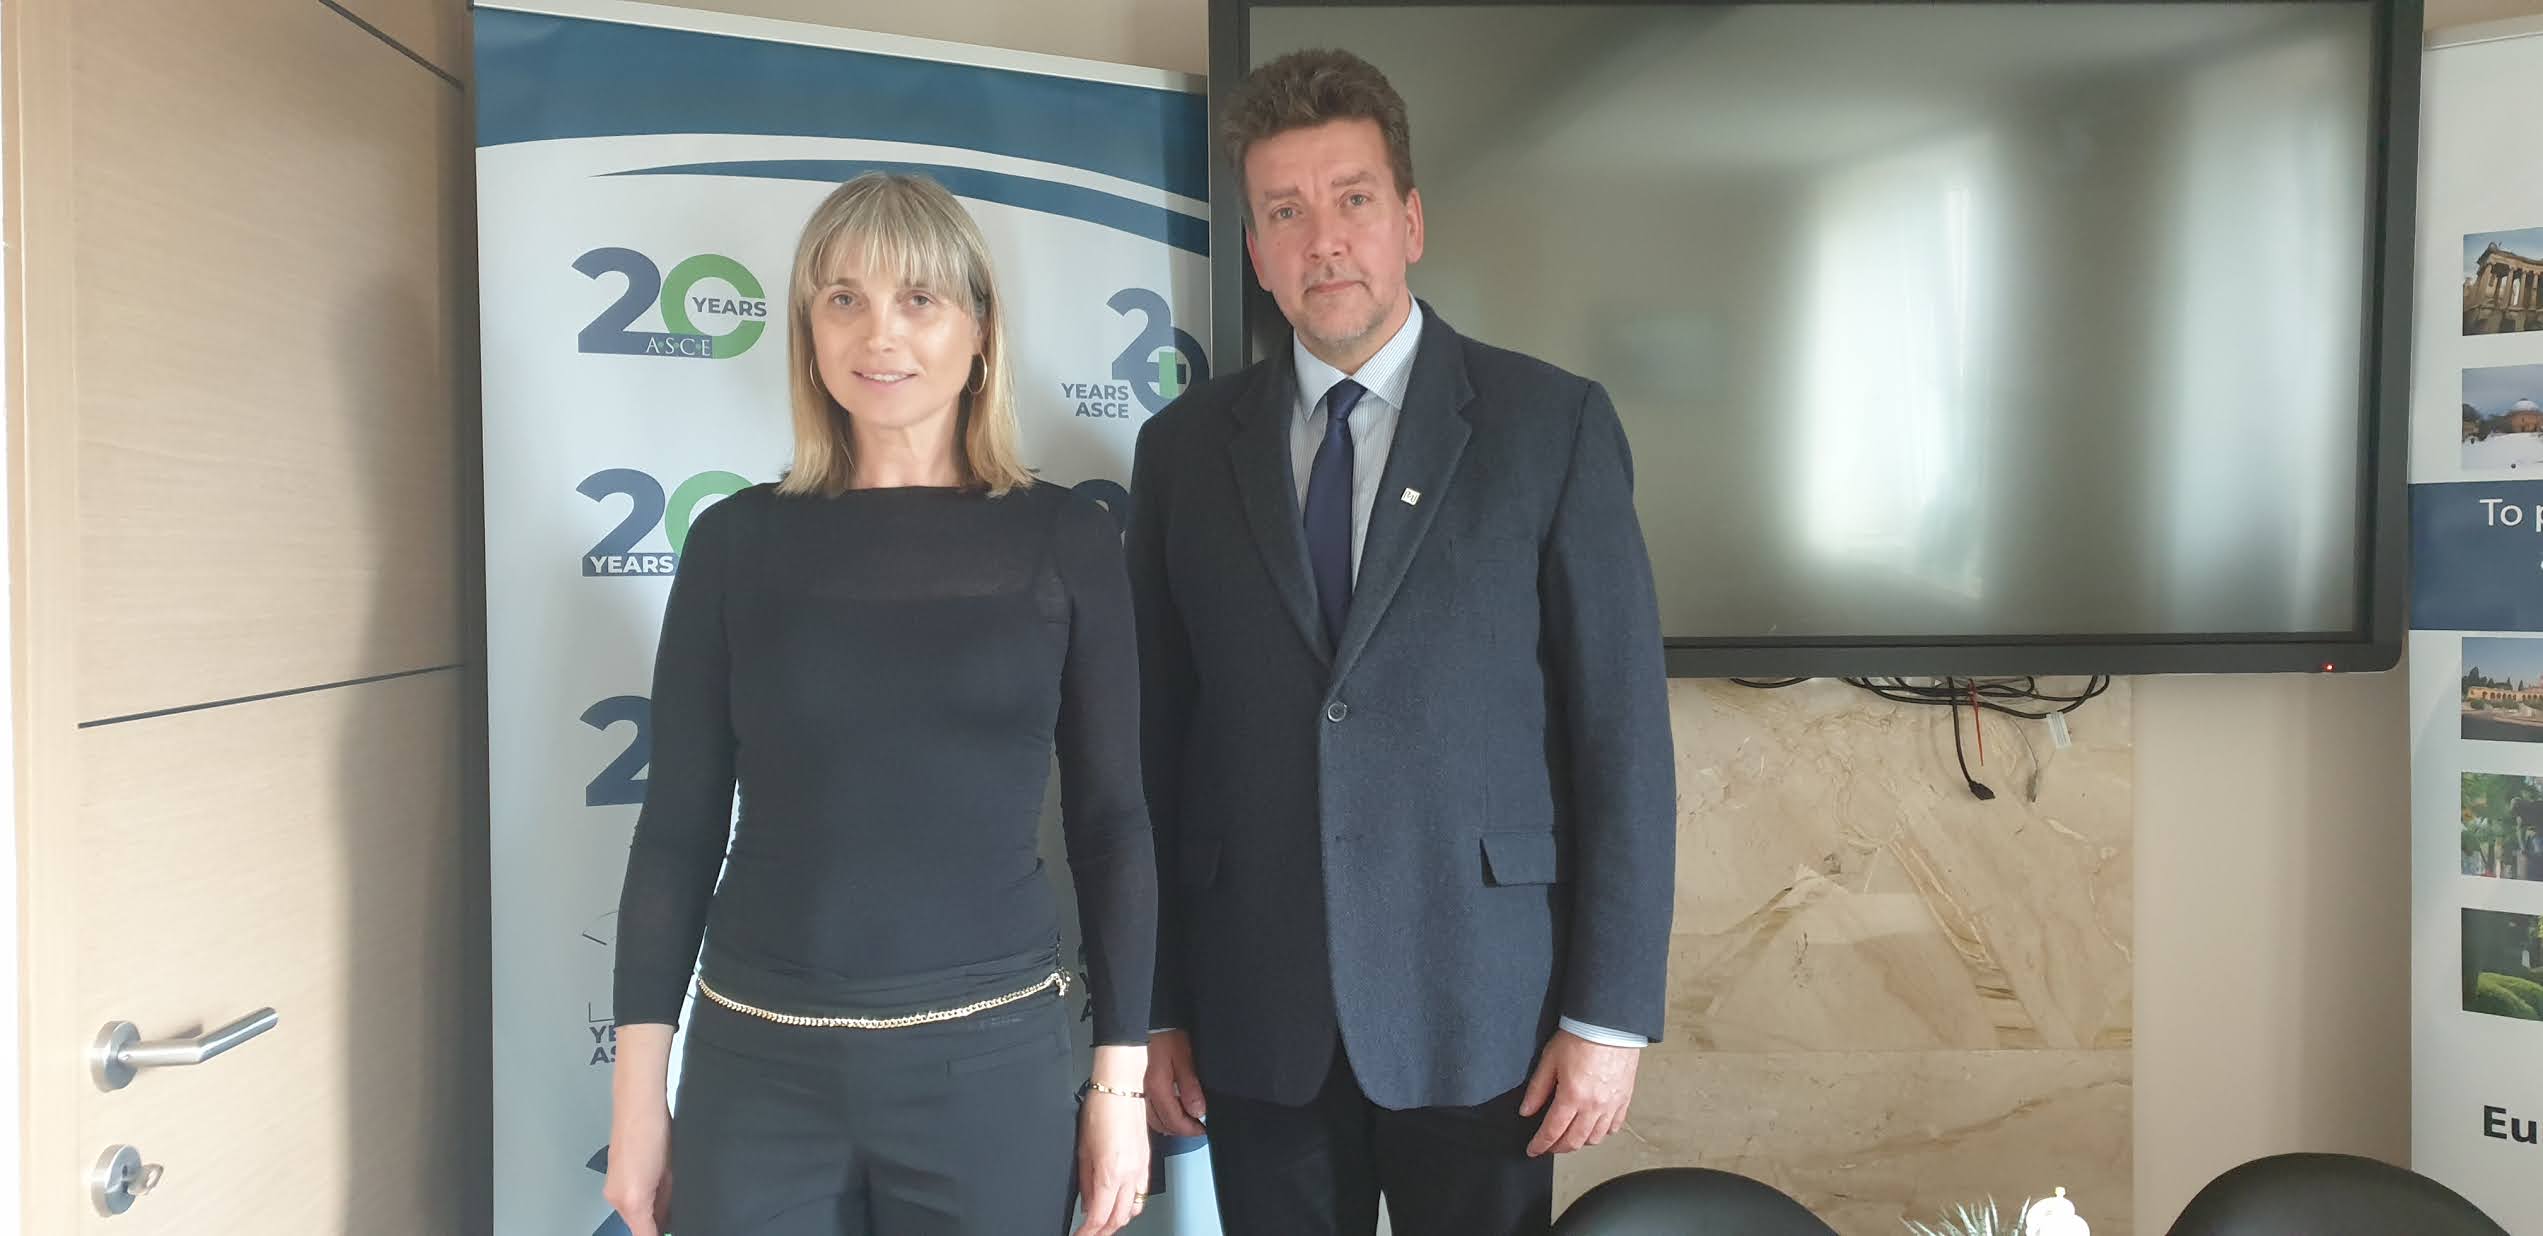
<point>1329,510</point>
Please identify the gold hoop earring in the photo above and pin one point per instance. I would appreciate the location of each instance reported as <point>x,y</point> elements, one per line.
<point>983,384</point>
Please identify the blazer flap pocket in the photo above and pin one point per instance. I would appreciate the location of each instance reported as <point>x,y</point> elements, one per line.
<point>1522,858</point>
<point>1200,862</point>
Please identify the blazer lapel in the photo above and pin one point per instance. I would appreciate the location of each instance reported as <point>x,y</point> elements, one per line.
<point>1259,455</point>
<point>1430,434</point>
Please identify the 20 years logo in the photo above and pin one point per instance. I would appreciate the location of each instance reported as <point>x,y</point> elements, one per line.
<point>1162,361</point>
<point>1165,359</point>
<point>683,298</point>
<point>648,508</point>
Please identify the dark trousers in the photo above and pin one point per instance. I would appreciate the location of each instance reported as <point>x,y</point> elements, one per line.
<point>1318,1170</point>
<point>960,1128</point>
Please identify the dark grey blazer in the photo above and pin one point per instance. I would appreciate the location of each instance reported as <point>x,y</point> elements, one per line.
<point>1460,825</point>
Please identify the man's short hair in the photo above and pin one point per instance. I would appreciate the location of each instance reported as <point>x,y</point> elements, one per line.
<point>1305,89</point>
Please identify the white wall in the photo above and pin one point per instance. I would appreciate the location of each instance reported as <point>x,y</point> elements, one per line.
<point>2445,13</point>
<point>10,1113</point>
<point>2273,925</point>
<point>1157,34</point>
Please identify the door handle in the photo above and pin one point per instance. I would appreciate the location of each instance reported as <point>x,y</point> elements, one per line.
<point>120,1052</point>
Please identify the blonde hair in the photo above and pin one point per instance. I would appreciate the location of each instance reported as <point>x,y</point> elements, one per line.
<point>912,227</point>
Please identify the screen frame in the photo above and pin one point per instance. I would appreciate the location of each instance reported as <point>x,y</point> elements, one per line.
<point>1239,308</point>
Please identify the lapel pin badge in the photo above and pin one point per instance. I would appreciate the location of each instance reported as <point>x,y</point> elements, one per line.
<point>1412,497</point>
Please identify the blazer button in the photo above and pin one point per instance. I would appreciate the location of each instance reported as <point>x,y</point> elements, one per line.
<point>1336,711</point>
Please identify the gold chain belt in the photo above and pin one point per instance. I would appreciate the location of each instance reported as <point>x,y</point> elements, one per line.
<point>1058,979</point>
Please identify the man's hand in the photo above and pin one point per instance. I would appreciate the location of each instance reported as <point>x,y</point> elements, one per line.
<point>1175,1102</point>
<point>1592,1088</point>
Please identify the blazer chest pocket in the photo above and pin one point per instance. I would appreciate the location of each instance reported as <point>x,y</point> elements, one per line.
<point>1492,583</point>
<point>1495,551</point>
<point>1522,858</point>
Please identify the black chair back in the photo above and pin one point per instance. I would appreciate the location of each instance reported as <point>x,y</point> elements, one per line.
<point>1688,1201</point>
<point>2329,1195</point>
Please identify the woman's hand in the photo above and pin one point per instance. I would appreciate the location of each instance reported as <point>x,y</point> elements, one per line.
<point>1112,1144</point>
<point>638,1186</point>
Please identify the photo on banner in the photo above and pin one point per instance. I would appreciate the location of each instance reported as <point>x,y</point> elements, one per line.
<point>2503,826</point>
<point>2503,689</point>
<point>2503,420</point>
<point>2503,964</point>
<point>2503,282</point>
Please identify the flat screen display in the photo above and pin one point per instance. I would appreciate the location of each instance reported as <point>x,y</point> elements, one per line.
<point>1960,336</point>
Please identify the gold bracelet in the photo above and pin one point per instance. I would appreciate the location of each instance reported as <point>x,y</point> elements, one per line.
<point>1101,1088</point>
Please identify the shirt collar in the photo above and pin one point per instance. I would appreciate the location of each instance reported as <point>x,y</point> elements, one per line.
<point>1386,375</point>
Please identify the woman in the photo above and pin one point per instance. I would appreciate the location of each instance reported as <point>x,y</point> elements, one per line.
<point>883,651</point>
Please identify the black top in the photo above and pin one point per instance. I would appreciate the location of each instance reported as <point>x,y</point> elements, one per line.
<point>887,673</point>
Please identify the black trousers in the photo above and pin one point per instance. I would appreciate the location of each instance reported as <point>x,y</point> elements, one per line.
<point>1318,1170</point>
<point>959,1128</point>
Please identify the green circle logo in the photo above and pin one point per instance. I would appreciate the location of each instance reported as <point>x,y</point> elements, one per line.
<point>697,489</point>
<point>686,276</point>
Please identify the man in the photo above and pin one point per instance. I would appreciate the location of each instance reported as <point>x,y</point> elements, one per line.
<point>1407,728</point>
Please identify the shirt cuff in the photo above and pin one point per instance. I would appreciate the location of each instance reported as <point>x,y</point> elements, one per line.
<point>1604,1036</point>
